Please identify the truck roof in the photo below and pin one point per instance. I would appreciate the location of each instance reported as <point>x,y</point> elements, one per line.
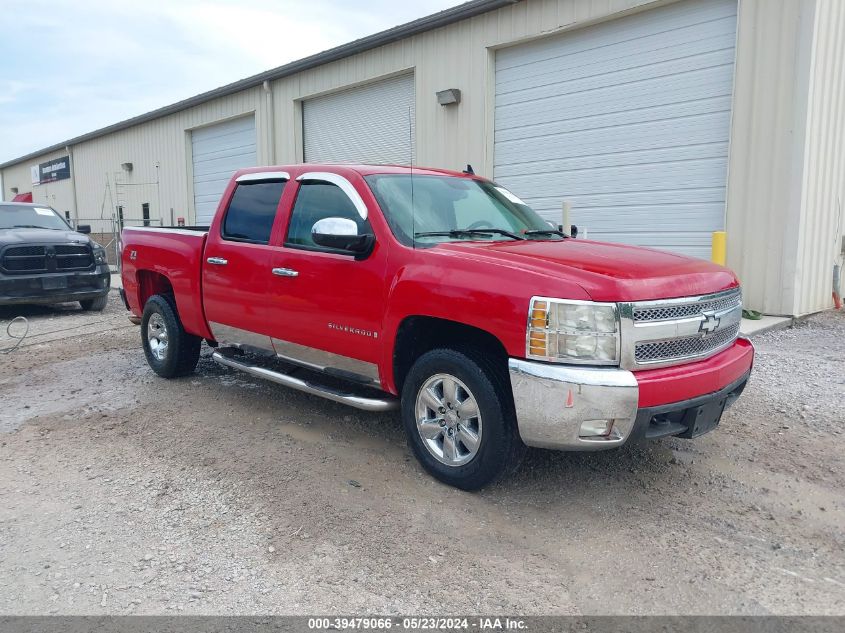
<point>363,170</point>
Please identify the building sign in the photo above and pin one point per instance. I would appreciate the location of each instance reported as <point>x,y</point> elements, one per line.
<point>52,170</point>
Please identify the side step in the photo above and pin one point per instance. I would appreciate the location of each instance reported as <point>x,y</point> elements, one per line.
<point>385,402</point>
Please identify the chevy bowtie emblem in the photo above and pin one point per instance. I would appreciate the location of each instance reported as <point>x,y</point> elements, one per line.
<point>710,323</point>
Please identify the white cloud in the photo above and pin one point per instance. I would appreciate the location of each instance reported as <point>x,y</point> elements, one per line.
<point>67,68</point>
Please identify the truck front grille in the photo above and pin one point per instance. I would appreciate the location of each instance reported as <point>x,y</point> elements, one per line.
<point>73,257</point>
<point>730,299</point>
<point>683,348</point>
<point>45,259</point>
<point>25,259</point>
<point>676,331</point>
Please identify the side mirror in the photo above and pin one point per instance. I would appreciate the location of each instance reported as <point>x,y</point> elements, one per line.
<point>83,228</point>
<point>342,234</point>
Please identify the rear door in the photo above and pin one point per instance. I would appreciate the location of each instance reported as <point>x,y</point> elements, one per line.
<point>237,262</point>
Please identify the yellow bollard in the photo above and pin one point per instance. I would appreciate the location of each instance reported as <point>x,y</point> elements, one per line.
<point>720,239</point>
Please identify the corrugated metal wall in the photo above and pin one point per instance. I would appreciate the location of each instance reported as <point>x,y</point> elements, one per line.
<point>370,123</point>
<point>822,223</point>
<point>218,150</point>
<point>456,56</point>
<point>629,119</point>
<point>774,42</point>
<point>778,166</point>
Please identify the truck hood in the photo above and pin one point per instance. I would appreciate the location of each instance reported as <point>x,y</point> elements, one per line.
<point>41,236</point>
<point>607,272</point>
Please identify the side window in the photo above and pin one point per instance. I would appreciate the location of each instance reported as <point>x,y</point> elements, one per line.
<point>252,211</point>
<point>316,200</point>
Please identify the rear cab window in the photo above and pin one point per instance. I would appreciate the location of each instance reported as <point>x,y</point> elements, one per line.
<point>252,211</point>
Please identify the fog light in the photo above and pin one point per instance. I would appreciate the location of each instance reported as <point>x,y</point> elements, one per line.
<point>596,428</point>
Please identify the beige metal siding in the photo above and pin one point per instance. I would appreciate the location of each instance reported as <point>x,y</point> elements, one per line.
<point>785,163</point>
<point>455,56</point>
<point>821,230</point>
<point>774,40</point>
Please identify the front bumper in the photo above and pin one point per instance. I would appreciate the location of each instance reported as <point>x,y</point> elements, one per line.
<point>54,287</point>
<point>554,401</point>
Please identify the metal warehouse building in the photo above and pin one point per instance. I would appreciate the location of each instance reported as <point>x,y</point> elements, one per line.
<point>661,121</point>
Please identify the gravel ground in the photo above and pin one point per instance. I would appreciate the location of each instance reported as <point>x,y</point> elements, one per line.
<point>124,493</point>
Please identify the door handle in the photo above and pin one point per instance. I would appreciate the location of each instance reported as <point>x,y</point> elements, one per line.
<point>217,261</point>
<point>285,272</point>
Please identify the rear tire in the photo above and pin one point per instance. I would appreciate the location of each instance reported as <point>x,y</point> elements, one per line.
<point>170,350</point>
<point>470,436</point>
<point>96,305</point>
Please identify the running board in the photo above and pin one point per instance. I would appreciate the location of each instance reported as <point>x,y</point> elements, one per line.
<point>384,403</point>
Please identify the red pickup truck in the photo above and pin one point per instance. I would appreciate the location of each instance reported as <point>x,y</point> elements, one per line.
<point>443,295</point>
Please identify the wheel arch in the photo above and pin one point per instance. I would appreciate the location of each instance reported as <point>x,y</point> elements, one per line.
<point>152,283</point>
<point>419,334</point>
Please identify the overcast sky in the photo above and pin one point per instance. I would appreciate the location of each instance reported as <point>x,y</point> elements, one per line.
<point>69,67</point>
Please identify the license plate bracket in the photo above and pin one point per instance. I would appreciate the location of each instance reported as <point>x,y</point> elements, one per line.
<point>54,283</point>
<point>703,419</point>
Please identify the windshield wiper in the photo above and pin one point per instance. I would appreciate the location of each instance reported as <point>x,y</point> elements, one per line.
<point>545,232</point>
<point>469,232</point>
<point>32,226</point>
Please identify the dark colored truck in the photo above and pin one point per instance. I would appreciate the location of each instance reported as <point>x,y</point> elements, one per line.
<point>44,260</point>
<point>443,295</point>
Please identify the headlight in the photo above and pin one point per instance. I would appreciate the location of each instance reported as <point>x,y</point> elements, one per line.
<point>573,331</point>
<point>100,255</point>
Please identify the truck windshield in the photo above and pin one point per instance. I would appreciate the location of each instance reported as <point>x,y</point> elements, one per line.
<point>433,209</point>
<point>13,216</point>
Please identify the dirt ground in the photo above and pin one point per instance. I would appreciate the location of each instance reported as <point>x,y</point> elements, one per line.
<point>121,493</point>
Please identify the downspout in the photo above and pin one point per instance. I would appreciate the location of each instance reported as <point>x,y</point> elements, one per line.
<point>271,124</point>
<point>69,151</point>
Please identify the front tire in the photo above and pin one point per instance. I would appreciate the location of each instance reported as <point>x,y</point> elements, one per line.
<point>170,350</point>
<point>95,305</point>
<point>459,418</point>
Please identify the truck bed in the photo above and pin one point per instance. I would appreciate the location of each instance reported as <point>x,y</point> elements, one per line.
<point>169,258</point>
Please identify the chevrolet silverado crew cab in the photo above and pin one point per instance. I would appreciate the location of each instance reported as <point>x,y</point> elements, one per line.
<point>443,295</point>
<point>43,260</point>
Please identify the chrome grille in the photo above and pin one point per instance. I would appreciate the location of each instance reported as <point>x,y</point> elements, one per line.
<point>683,348</point>
<point>685,310</point>
<point>676,331</point>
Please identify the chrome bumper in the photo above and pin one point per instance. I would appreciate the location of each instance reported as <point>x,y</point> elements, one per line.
<point>553,401</point>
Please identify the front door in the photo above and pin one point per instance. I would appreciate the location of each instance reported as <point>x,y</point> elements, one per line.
<point>325,308</point>
<point>237,264</point>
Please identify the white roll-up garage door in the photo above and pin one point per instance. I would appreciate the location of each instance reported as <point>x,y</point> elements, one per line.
<point>628,119</point>
<point>218,151</point>
<point>373,123</point>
